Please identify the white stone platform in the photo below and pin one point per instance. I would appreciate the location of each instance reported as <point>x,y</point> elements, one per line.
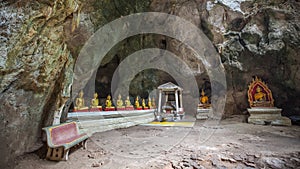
<point>92,122</point>
<point>266,115</point>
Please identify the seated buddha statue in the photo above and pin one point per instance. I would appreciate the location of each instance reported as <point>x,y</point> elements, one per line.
<point>120,102</point>
<point>137,103</point>
<point>108,102</point>
<point>144,104</point>
<point>203,100</point>
<point>259,95</point>
<point>150,103</point>
<point>153,103</point>
<point>79,103</point>
<point>127,102</point>
<point>95,101</point>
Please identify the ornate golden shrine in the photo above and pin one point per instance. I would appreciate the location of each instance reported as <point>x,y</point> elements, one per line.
<point>259,95</point>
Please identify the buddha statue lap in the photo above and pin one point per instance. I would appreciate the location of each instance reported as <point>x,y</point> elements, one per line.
<point>79,103</point>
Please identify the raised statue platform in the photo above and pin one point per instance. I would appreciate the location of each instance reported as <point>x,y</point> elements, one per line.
<point>202,114</point>
<point>267,116</point>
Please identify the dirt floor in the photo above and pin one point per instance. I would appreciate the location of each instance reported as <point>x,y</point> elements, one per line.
<point>230,144</point>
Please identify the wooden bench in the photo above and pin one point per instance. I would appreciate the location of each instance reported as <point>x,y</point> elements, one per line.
<point>60,138</point>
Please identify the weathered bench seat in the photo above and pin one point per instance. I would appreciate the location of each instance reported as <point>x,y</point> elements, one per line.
<point>60,138</point>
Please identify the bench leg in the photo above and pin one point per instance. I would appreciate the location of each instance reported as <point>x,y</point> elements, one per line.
<point>56,154</point>
<point>66,155</point>
<point>84,144</point>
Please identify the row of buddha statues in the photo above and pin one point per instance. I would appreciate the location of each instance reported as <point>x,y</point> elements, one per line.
<point>120,104</point>
<point>80,104</point>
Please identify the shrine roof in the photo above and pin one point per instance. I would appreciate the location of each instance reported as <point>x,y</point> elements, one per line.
<point>169,87</point>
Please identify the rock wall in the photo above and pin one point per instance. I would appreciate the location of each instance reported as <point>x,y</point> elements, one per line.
<point>40,40</point>
<point>36,70</point>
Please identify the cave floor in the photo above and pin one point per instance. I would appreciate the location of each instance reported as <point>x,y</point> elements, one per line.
<point>231,144</point>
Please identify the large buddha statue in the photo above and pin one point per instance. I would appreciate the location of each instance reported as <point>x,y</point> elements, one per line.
<point>259,95</point>
<point>204,101</point>
<point>120,102</point>
<point>108,102</point>
<point>137,103</point>
<point>79,103</point>
<point>95,101</point>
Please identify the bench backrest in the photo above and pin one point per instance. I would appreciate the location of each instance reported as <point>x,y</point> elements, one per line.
<point>62,132</point>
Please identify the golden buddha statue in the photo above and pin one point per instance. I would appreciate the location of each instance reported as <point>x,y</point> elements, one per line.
<point>149,102</point>
<point>203,100</point>
<point>144,104</point>
<point>259,95</point>
<point>153,103</point>
<point>137,103</point>
<point>79,103</point>
<point>120,102</point>
<point>108,102</point>
<point>127,102</point>
<point>95,101</point>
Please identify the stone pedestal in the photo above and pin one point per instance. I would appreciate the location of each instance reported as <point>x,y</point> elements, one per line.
<point>265,115</point>
<point>109,109</point>
<point>95,109</point>
<point>202,114</point>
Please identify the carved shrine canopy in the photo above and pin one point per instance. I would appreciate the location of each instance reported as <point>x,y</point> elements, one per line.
<point>259,95</point>
<point>169,87</point>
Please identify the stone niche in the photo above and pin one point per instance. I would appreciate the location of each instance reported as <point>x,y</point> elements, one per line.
<point>262,110</point>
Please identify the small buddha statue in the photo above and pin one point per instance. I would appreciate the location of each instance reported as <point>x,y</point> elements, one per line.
<point>120,102</point>
<point>259,95</point>
<point>137,103</point>
<point>153,103</point>
<point>127,102</point>
<point>144,104</point>
<point>150,103</point>
<point>79,103</point>
<point>203,100</point>
<point>108,102</point>
<point>95,101</point>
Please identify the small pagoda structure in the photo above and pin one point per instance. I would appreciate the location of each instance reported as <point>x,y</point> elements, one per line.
<point>173,105</point>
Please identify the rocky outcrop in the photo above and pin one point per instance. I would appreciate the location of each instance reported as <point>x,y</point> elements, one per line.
<point>36,70</point>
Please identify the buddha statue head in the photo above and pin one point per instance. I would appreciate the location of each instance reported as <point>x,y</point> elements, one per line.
<point>202,93</point>
<point>80,94</point>
<point>95,95</point>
